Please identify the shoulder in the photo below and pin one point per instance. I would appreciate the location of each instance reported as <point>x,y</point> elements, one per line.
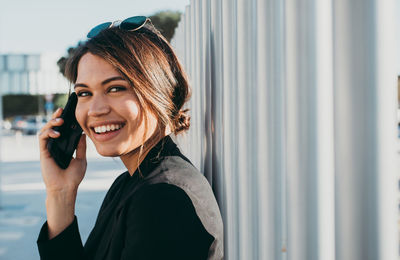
<point>172,167</point>
<point>161,197</point>
<point>178,171</point>
<point>166,210</point>
<point>161,219</point>
<point>174,199</point>
<point>175,172</point>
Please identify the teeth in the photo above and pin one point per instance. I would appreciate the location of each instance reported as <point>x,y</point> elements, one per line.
<point>106,128</point>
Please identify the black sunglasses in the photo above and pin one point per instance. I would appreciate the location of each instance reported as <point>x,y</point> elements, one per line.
<point>129,24</point>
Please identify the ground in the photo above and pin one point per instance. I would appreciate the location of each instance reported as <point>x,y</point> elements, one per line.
<point>22,195</point>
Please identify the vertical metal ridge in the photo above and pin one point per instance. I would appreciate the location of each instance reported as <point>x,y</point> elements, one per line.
<point>293,113</point>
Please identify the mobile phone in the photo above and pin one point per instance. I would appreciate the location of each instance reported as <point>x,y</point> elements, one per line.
<point>63,147</point>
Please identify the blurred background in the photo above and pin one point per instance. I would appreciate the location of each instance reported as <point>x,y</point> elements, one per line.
<point>36,38</point>
<point>295,119</point>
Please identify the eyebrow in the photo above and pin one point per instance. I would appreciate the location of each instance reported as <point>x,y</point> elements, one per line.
<point>102,83</point>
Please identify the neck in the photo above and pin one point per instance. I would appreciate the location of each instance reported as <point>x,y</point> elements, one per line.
<point>133,159</point>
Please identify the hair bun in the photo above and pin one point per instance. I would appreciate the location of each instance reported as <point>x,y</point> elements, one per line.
<point>182,121</point>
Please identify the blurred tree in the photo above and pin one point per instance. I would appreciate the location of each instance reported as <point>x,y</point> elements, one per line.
<point>18,105</point>
<point>63,60</point>
<point>164,21</point>
<point>23,105</point>
<point>60,100</point>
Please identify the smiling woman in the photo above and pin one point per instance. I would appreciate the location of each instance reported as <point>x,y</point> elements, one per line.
<point>109,112</point>
<point>131,89</point>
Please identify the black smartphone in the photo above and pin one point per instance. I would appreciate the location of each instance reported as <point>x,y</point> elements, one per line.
<point>63,147</point>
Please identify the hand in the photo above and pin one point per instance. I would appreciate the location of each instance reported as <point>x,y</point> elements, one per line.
<point>61,185</point>
<point>55,178</point>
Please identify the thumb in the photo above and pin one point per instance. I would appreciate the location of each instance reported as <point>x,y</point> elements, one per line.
<point>81,149</point>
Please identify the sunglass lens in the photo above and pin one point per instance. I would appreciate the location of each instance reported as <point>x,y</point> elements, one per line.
<point>98,29</point>
<point>133,23</point>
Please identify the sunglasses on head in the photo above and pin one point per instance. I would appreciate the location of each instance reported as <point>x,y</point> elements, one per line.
<point>129,24</point>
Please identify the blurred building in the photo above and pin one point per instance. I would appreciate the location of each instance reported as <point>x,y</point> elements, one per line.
<point>398,89</point>
<point>31,74</point>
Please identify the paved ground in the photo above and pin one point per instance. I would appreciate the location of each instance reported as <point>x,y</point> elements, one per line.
<point>22,195</point>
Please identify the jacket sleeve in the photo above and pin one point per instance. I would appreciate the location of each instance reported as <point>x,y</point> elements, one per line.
<point>66,245</point>
<point>162,224</point>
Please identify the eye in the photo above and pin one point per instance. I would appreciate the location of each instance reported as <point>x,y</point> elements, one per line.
<point>83,93</point>
<point>116,89</point>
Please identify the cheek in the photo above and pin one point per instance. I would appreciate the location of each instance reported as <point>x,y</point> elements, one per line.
<point>132,110</point>
<point>80,115</point>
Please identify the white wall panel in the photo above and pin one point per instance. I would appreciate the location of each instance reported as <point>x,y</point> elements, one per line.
<point>229,81</point>
<point>293,124</point>
<point>270,137</point>
<point>364,137</point>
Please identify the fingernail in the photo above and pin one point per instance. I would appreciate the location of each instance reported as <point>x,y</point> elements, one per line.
<point>56,132</point>
<point>58,119</point>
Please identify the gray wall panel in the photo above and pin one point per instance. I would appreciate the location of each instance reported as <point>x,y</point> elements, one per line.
<point>293,124</point>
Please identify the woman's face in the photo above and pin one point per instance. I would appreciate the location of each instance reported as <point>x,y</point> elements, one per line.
<point>108,110</point>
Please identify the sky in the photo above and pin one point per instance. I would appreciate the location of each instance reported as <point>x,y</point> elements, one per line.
<point>37,26</point>
<point>397,32</point>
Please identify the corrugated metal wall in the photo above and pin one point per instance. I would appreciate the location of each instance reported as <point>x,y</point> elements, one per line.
<point>294,124</point>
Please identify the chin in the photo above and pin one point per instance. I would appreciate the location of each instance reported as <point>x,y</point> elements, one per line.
<point>107,152</point>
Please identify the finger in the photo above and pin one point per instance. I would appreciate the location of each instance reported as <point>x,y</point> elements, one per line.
<point>55,122</point>
<point>45,135</point>
<point>81,149</point>
<point>52,123</point>
<point>57,113</point>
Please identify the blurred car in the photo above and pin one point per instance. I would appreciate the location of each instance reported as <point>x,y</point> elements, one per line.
<point>28,125</point>
<point>7,125</point>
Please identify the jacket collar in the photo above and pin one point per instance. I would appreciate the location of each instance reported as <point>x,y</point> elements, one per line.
<point>165,147</point>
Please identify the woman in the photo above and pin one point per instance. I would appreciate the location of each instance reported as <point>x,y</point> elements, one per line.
<point>131,89</point>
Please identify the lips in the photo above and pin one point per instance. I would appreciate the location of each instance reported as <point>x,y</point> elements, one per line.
<point>106,131</point>
<point>107,128</point>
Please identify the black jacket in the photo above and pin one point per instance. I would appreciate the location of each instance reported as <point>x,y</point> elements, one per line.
<point>169,213</point>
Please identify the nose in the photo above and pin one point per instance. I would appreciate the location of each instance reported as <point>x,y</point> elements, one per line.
<point>98,107</point>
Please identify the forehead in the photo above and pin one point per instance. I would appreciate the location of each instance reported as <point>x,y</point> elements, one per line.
<point>92,68</point>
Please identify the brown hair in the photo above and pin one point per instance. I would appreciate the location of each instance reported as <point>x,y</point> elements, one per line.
<point>146,60</point>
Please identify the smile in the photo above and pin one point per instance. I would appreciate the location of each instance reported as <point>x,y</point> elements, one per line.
<point>107,128</point>
<point>105,132</point>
